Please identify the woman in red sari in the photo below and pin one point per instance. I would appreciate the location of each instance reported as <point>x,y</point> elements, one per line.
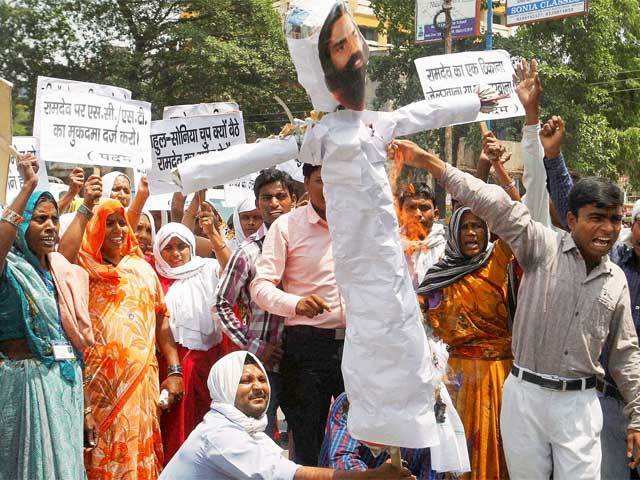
<point>189,283</point>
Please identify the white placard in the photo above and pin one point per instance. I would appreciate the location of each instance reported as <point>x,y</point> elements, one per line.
<point>449,76</point>
<point>62,85</point>
<point>529,11</point>
<point>14,184</point>
<point>464,17</point>
<point>84,128</point>
<point>177,140</point>
<point>199,109</point>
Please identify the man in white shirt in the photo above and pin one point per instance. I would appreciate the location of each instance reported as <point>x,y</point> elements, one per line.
<point>230,443</point>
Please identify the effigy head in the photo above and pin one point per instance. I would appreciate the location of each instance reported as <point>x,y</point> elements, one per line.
<point>329,53</point>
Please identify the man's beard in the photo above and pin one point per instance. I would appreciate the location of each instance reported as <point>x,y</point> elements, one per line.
<point>348,84</point>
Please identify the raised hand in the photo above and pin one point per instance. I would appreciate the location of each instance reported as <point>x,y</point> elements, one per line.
<point>76,181</point>
<point>92,191</point>
<point>552,136</point>
<point>529,88</point>
<point>143,186</point>
<point>28,168</point>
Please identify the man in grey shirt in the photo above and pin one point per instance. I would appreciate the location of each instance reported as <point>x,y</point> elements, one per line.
<point>572,301</point>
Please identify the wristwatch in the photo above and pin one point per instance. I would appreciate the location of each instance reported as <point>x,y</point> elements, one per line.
<point>84,210</point>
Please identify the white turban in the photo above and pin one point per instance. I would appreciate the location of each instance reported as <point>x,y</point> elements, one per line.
<point>223,382</point>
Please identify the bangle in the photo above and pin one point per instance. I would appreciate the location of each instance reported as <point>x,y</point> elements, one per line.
<point>174,370</point>
<point>86,211</point>
<point>87,411</point>
<point>510,185</point>
<point>11,217</point>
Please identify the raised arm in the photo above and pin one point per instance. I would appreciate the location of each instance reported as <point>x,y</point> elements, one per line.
<point>534,177</point>
<point>137,204</point>
<point>531,242</point>
<point>559,181</point>
<point>494,152</point>
<point>216,168</point>
<point>212,229</point>
<point>72,238</point>
<point>12,215</point>
<point>76,181</point>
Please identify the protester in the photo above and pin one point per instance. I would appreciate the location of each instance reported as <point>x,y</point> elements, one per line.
<point>468,308</point>
<point>254,329</point>
<point>146,232</point>
<point>230,443</point>
<point>625,253</point>
<point>341,451</point>
<point>44,330</point>
<point>189,284</point>
<point>423,237</point>
<point>572,302</point>
<point>295,280</point>
<point>249,222</point>
<point>130,321</point>
<point>117,185</point>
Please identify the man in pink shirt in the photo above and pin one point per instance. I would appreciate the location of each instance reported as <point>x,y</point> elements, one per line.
<point>295,279</point>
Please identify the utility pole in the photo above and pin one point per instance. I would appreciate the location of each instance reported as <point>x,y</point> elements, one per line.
<point>489,39</point>
<point>440,193</point>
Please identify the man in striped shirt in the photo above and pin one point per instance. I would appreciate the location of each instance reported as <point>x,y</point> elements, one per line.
<point>254,329</point>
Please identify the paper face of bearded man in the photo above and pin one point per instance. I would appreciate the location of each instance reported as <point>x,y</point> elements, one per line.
<point>343,55</point>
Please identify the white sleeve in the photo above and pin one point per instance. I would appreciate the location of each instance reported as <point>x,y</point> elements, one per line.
<point>244,458</point>
<point>216,168</point>
<point>535,176</point>
<point>429,114</point>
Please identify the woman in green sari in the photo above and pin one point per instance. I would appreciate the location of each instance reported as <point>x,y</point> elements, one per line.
<point>44,328</point>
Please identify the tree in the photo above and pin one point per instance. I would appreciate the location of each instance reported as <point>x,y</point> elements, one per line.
<point>590,67</point>
<point>166,52</point>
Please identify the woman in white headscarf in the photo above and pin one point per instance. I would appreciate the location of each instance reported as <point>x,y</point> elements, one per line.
<point>146,232</point>
<point>247,222</point>
<point>189,283</point>
<point>230,443</point>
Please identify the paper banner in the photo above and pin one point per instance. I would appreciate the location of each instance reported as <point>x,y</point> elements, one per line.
<point>177,140</point>
<point>84,128</point>
<point>450,76</point>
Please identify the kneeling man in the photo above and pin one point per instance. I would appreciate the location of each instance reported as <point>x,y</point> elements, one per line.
<point>230,443</point>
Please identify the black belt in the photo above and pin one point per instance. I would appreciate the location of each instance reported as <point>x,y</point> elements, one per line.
<point>562,385</point>
<point>609,390</point>
<point>307,331</point>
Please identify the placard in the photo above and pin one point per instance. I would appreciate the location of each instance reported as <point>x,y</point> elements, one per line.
<point>91,129</point>
<point>199,109</point>
<point>14,183</point>
<point>529,11</point>
<point>464,20</point>
<point>177,140</point>
<point>457,74</point>
<point>6,122</point>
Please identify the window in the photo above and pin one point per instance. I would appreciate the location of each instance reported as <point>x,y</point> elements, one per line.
<point>369,34</point>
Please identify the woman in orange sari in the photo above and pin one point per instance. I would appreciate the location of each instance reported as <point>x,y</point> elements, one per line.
<point>467,298</point>
<point>129,319</point>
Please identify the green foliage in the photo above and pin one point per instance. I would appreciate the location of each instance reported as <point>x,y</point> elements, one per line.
<point>590,69</point>
<point>166,52</point>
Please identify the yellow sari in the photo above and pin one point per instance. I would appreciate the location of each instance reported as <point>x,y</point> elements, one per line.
<point>121,368</point>
<point>471,316</point>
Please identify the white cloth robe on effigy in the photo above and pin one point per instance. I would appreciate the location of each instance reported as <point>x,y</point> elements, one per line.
<point>387,366</point>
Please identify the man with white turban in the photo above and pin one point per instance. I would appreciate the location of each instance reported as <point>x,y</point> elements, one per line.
<point>230,443</point>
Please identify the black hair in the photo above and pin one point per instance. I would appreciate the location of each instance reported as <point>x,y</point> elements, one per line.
<point>415,190</point>
<point>249,360</point>
<point>597,191</point>
<point>271,175</point>
<point>325,35</point>
<point>230,223</point>
<point>308,169</point>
